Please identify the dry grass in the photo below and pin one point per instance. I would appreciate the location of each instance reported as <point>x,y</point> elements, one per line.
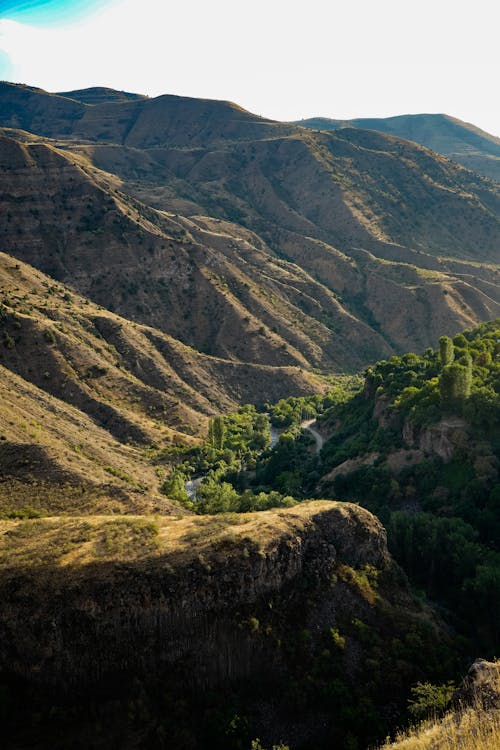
<point>469,728</point>
<point>55,460</point>
<point>201,279</point>
<point>69,542</point>
<point>83,392</point>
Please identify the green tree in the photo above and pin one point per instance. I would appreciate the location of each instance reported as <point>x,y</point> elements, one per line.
<point>429,699</point>
<point>446,350</point>
<point>216,497</point>
<point>174,487</point>
<point>216,432</point>
<point>455,382</point>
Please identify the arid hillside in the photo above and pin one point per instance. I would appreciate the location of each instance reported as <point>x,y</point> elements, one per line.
<point>86,396</point>
<point>202,280</point>
<point>203,220</point>
<point>458,140</point>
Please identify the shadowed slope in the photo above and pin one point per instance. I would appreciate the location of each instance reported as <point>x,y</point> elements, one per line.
<point>85,392</point>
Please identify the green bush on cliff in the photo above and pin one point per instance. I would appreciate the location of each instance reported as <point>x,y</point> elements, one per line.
<point>430,700</point>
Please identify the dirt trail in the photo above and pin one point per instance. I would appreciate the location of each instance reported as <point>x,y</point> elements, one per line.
<point>307,425</point>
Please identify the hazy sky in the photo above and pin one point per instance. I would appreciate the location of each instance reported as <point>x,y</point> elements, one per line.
<point>282,59</point>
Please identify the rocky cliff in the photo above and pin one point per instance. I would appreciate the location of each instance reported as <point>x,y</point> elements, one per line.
<point>145,595</point>
<point>257,611</point>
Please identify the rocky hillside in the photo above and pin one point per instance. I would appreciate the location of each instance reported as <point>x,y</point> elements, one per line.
<point>458,140</point>
<point>199,279</point>
<point>181,611</point>
<point>86,394</point>
<point>325,249</point>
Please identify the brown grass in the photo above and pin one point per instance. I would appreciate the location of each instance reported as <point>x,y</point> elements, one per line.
<point>469,728</point>
<point>85,395</point>
<point>69,542</point>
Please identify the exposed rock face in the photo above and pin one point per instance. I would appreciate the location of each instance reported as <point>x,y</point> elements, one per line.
<point>73,626</point>
<point>441,439</point>
<point>381,412</point>
<point>481,685</point>
<point>352,464</point>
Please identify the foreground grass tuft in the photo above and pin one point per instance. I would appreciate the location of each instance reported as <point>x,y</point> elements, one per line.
<point>471,728</point>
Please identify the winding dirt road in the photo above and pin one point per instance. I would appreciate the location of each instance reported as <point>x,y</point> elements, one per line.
<point>307,425</point>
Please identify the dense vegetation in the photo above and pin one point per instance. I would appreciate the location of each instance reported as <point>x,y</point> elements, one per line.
<point>238,470</point>
<point>441,511</point>
<point>233,445</point>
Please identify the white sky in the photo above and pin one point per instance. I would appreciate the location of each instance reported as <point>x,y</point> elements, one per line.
<point>285,60</point>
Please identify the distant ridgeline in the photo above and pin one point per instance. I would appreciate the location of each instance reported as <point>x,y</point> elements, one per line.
<point>250,240</point>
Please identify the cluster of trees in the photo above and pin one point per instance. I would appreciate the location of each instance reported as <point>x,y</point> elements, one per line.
<point>240,471</point>
<point>234,442</point>
<point>442,519</point>
<point>290,412</point>
<point>215,496</point>
<point>461,378</point>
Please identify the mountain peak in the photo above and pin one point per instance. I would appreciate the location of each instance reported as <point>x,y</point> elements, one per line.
<point>100,95</point>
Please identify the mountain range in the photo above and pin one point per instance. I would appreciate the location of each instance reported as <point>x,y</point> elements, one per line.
<point>458,140</point>
<point>245,238</point>
<point>172,268</point>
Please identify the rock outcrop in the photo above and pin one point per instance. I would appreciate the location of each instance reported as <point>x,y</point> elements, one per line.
<point>66,623</point>
<point>441,439</point>
<point>481,686</point>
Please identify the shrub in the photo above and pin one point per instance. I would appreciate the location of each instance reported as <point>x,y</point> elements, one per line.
<point>429,699</point>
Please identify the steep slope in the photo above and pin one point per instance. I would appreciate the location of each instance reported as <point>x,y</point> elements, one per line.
<point>83,392</point>
<point>458,140</point>
<point>199,280</point>
<point>419,446</point>
<point>54,459</point>
<point>257,624</point>
<point>325,249</point>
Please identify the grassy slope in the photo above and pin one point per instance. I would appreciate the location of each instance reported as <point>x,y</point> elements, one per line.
<point>473,725</point>
<point>179,539</point>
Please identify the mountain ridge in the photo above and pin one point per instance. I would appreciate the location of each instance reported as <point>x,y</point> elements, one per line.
<point>461,141</point>
<point>344,223</point>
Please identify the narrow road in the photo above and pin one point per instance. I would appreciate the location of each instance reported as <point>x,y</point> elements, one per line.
<point>307,425</point>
